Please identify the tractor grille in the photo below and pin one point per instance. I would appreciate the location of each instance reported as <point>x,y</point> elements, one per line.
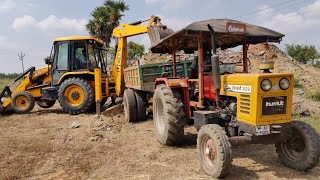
<point>245,103</point>
<point>274,105</point>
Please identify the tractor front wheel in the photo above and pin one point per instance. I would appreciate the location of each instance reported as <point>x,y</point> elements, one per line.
<point>76,95</point>
<point>214,151</point>
<point>168,115</point>
<point>22,102</point>
<point>300,152</point>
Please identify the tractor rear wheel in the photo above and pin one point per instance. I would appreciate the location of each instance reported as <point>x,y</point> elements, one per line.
<point>301,152</point>
<point>76,95</point>
<point>130,105</point>
<point>168,115</point>
<point>22,102</point>
<point>141,105</point>
<point>214,150</point>
<point>46,103</point>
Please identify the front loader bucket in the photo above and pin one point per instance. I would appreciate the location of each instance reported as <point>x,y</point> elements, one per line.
<point>156,33</point>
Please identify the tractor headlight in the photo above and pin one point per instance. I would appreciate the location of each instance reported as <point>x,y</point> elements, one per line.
<point>266,85</point>
<point>284,83</point>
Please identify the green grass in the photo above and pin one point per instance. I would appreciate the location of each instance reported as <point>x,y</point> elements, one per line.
<point>4,82</point>
<point>296,83</point>
<point>314,94</point>
<point>314,121</point>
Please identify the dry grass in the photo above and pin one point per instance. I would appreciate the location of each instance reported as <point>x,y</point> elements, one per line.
<point>314,121</point>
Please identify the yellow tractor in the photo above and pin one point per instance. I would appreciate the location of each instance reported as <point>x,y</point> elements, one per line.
<point>225,103</point>
<point>76,74</point>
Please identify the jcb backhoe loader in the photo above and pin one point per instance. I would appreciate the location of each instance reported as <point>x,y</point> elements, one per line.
<point>76,74</point>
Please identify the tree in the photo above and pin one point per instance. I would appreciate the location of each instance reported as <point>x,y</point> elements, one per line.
<point>301,53</point>
<point>135,51</point>
<point>105,18</point>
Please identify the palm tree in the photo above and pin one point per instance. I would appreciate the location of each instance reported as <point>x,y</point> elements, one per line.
<point>105,18</point>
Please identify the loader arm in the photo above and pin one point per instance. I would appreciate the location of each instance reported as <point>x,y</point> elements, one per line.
<point>122,32</point>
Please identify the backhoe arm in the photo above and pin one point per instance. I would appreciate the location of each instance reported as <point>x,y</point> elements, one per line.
<point>122,32</point>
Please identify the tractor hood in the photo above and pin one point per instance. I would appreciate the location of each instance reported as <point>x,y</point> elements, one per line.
<point>229,33</point>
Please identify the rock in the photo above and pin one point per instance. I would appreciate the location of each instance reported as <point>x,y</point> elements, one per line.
<point>75,125</point>
<point>97,137</point>
<point>113,111</point>
<point>298,91</point>
<point>261,53</point>
<point>300,108</point>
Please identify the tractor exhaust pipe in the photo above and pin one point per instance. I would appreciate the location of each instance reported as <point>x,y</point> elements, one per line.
<point>215,66</point>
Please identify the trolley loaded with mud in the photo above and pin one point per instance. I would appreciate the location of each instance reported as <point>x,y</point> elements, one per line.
<point>226,104</point>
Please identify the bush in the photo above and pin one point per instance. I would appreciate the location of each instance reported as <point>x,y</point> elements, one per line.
<point>317,65</point>
<point>301,53</point>
<point>296,83</point>
<point>314,95</point>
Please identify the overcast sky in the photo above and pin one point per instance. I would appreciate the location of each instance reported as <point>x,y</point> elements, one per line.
<point>30,25</point>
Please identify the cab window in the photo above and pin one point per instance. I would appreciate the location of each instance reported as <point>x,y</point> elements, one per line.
<point>63,55</point>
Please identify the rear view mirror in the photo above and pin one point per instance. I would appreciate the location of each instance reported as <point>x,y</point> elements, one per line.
<point>48,60</point>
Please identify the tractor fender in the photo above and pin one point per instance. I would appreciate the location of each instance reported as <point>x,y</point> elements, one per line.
<point>172,82</point>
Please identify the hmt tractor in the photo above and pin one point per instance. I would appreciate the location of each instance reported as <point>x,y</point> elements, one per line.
<point>222,100</point>
<point>76,74</point>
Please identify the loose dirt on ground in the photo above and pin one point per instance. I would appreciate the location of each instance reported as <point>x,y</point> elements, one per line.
<point>43,145</point>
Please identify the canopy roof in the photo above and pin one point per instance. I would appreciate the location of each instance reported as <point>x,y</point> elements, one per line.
<point>78,38</point>
<point>229,33</point>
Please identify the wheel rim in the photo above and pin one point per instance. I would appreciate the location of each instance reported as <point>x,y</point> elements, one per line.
<point>209,151</point>
<point>294,148</point>
<point>22,102</point>
<point>74,95</point>
<point>159,116</point>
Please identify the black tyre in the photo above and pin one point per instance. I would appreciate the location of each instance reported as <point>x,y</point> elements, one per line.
<point>168,115</point>
<point>76,95</point>
<point>141,105</point>
<point>22,102</point>
<point>214,151</point>
<point>46,103</point>
<point>130,105</point>
<point>302,151</point>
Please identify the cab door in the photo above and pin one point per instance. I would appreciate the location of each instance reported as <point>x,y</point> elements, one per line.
<point>61,62</point>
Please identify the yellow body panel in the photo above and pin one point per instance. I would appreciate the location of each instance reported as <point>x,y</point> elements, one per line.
<point>25,84</point>
<point>119,64</point>
<point>73,74</point>
<point>126,30</point>
<point>98,87</point>
<point>77,38</point>
<point>249,96</point>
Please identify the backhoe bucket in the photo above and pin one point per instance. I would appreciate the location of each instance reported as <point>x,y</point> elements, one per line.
<point>156,33</point>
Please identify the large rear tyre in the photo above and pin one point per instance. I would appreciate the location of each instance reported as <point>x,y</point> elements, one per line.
<point>141,105</point>
<point>46,103</point>
<point>214,151</point>
<point>130,105</point>
<point>22,102</point>
<point>76,95</point>
<point>168,116</point>
<point>302,151</point>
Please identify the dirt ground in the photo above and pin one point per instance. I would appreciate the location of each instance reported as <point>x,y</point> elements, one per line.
<point>42,145</point>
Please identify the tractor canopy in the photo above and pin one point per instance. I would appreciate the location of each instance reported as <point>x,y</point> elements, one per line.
<point>229,33</point>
